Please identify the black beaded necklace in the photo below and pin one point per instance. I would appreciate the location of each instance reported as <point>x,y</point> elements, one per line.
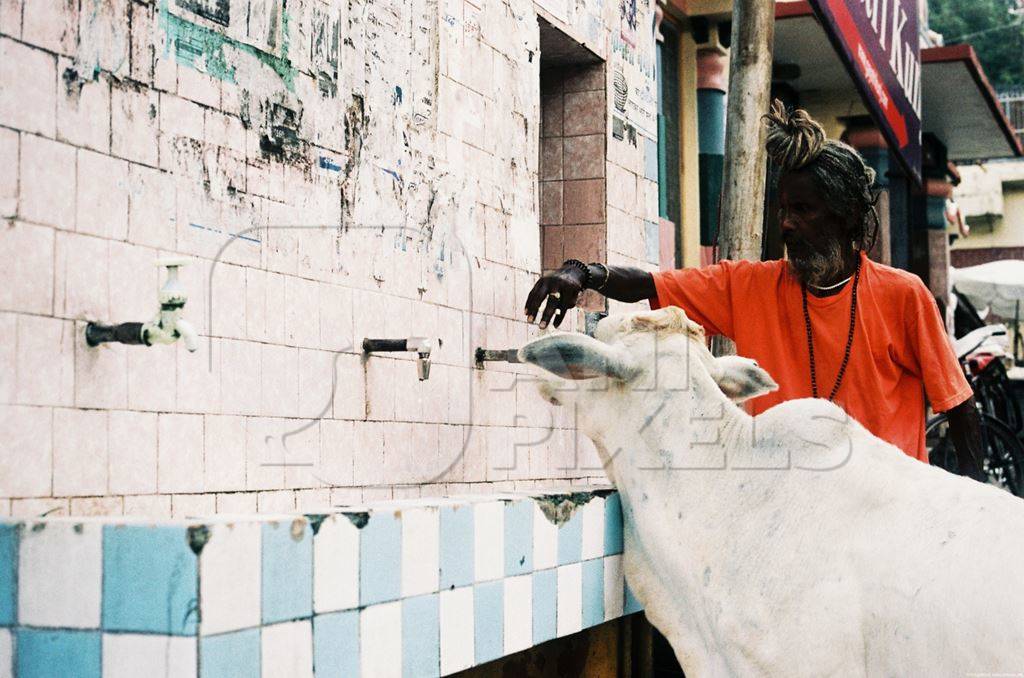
<point>849,337</point>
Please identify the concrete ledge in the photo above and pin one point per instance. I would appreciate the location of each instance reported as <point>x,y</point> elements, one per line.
<point>413,588</point>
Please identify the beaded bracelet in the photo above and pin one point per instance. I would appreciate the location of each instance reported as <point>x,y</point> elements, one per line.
<point>604,280</point>
<point>576,263</point>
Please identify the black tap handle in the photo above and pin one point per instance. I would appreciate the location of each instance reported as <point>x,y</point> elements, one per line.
<point>375,345</point>
<point>125,333</point>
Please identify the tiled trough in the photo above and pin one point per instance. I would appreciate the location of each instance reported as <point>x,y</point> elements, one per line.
<point>421,588</point>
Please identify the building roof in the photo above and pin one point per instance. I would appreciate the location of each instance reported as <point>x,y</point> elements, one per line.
<point>958,105</point>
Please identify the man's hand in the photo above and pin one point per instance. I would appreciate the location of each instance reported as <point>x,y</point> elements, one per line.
<point>560,289</point>
<point>965,430</point>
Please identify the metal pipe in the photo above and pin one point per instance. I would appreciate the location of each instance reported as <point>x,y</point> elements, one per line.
<point>125,333</point>
<point>504,355</point>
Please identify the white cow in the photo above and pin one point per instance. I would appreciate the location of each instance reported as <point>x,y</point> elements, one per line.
<point>794,543</point>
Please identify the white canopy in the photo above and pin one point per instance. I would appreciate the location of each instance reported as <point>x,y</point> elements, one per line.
<point>997,284</point>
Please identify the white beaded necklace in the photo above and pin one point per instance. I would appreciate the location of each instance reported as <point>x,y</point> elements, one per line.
<point>831,287</point>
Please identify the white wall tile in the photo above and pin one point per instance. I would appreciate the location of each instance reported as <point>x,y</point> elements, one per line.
<point>350,393</point>
<point>336,454</point>
<point>336,565</point>
<point>180,453</point>
<point>29,81</point>
<point>79,452</point>
<point>263,453</point>
<point>130,655</point>
<point>82,284</point>
<point>26,451</point>
<point>275,310</point>
<point>151,208</point>
<point>6,654</point>
<point>83,119</point>
<point>302,312</point>
<point>280,380</point>
<point>287,650</point>
<point>313,500</point>
<point>518,613</point>
<point>27,259</point>
<point>224,453</point>
<point>148,505</point>
<point>570,599</point>
<point>97,506</point>
<point>489,540</point>
<point>368,462</point>
<point>132,279</point>
<point>152,381</point>
<point>8,357</point>
<point>545,541</point>
<point>614,581</point>
<point>276,501</point>
<point>102,197</point>
<point>193,506</point>
<point>240,377</point>
<point>336,318</point>
<point>199,375</point>
<point>101,373</point>
<point>420,551</point>
<point>236,503</point>
<point>457,647</point>
<point>50,25</point>
<point>8,173</point>
<point>592,515</point>
<point>134,123</point>
<point>60,574</point>
<point>227,300</point>
<point>229,577</point>
<point>45,360</point>
<point>380,647</point>
<point>316,382</point>
<point>132,452</point>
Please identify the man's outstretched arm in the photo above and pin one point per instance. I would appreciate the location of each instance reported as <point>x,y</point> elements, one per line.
<point>965,430</point>
<point>561,289</point>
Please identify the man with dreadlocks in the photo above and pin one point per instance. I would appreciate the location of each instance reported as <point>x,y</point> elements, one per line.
<point>827,322</point>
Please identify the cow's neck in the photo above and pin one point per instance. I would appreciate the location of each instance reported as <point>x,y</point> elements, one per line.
<point>682,443</point>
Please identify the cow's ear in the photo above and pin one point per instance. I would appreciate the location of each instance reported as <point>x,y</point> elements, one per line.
<point>741,378</point>
<point>577,356</point>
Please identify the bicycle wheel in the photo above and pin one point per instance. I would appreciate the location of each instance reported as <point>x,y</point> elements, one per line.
<point>995,394</point>
<point>1003,461</point>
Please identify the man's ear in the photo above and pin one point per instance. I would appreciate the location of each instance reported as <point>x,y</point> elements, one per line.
<point>577,356</point>
<point>741,378</point>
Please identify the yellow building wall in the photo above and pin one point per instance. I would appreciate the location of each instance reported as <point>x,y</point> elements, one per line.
<point>689,231</point>
<point>1006,230</point>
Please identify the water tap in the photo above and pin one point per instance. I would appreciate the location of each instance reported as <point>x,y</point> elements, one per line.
<point>166,327</point>
<point>421,346</point>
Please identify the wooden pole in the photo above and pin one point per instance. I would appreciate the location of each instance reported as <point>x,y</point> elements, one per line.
<point>743,180</point>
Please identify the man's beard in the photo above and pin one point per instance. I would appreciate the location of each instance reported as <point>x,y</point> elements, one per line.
<point>816,267</point>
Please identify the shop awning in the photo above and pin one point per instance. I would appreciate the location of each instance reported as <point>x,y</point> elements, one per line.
<point>820,74</point>
<point>960,107</point>
<point>957,103</point>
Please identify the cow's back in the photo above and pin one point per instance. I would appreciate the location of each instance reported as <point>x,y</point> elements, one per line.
<point>818,549</point>
<point>935,561</point>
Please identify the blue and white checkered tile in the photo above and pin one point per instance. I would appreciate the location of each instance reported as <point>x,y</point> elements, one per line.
<point>412,590</point>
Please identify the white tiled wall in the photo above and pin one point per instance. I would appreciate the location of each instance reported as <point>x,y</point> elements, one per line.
<point>116,153</point>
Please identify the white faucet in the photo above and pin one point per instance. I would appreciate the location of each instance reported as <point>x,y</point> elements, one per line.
<point>166,327</point>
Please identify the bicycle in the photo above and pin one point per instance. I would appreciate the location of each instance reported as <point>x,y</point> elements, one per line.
<point>1003,460</point>
<point>998,411</point>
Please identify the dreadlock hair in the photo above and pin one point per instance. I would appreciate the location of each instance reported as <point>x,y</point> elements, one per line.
<point>797,142</point>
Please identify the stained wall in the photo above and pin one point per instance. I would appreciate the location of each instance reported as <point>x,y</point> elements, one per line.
<point>336,170</point>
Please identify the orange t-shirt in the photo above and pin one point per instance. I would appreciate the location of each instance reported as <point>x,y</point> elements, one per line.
<point>900,348</point>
